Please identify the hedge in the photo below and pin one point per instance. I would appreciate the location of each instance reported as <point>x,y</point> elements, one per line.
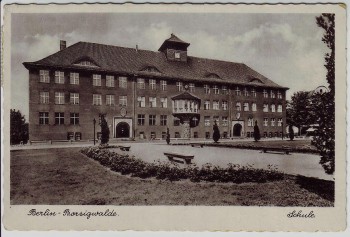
<point>129,165</point>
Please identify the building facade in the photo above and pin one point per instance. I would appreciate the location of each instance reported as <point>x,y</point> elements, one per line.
<point>134,88</point>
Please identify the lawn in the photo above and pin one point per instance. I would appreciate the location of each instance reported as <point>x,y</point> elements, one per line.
<point>65,176</point>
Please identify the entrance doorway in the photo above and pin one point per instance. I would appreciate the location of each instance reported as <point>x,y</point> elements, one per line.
<point>237,130</point>
<point>122,130</point>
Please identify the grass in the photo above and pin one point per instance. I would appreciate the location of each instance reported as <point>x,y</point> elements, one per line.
<point>67,177</point>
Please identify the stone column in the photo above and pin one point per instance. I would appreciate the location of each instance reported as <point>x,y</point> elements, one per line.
<point>186,130</point>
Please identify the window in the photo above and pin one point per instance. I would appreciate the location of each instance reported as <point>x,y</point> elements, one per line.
<point>216,90</point>
<point>266,120</point>
<point>70,135</point>
<point>238,106</point>
<point>253,92</point>
<point>163,85</point>
<point>192,87</point>
<point>177,135</point>
<point>273,121</point>
<point>142,135</point>
<point>179,86</point>
<point>44,76</point>
<point>152,120</point>
<point>279,108</point>
<point>163,135</point>
<point>78,136</point>
<point>123,100</point>
<point>140,83</point>
<point>266,95</point>
<point>238,91</point>
<point>59,77</point>
<point>253,107</point>
<point>207,135</point>
<point>110,100</point>
<point>110,81</point>
<point>206,120</point>
<point>224,121</point>
<point>44,97</point>
<point>216,119</point>
<point>163,120</point>
<point>177,55</point>
<point>74,118</point>
<point>273,108</point>
<point>279,122</point>
<point>59,118</point>
<point>206,105</point>
<point>206,89</point>
<point>250,122</point>
<point>74,78</point>
<point>74,98</point>
<point>96,80</point>
<point>195,135</point>
<point>86,63</point>
<point>195,121</point>
<point>153,135</point>
<point>224,105</point>
<point>216,105</point>
<point>59,98</point>
<point>141,100</point>
<point>224,90</point>
<point>123,82</point>
<point>176,121</point>
<point>265,134</point>
<point>246,93</point>
<point>272,94</point>
<point>152,102</point>
<point>266,108</point>
<point>96,99</point>
<point>141,119</point>
<point>164,102</point>
<point>152,84</point>
<point>246,107</point>
<point>279,95</point>
<point>43,118</point>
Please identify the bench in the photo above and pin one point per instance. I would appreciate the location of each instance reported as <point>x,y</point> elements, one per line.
<point>37,141</point>
<point>284,149</point>
<point>124,148</point>
<point>197,145</point>
<point>171,157</point>
<point>179,141</point>
<point>53,141</point>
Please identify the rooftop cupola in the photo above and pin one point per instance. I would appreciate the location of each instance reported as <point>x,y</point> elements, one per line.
<point>175,49</point>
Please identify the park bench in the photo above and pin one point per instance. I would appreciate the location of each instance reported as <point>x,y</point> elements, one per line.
<point>179,141</point>
<point>171,157</point>
<point>284,149</point>
<point>37,141</point>
<point>193,144</point>
<point>124,148</point>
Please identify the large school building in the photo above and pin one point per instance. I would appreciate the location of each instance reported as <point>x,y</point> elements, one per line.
<point>136,90</point>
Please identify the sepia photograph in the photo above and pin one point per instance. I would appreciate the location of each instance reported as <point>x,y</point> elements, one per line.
<point>173,109</point>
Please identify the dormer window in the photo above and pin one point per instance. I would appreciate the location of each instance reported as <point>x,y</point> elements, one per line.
<point>86,62</point>
<point>150,69</point>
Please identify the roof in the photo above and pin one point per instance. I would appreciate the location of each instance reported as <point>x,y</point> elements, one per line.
<point>129,61</point>
<point>185,96</point>
<point>173,40</point>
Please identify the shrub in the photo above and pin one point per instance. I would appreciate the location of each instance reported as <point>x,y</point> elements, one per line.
<point>126,164</point>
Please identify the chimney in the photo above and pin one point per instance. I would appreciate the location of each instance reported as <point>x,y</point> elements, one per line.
<point>63,44</point>
<point>137,48</point>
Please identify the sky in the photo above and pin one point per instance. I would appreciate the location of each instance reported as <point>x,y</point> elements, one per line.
<point>286,48</point>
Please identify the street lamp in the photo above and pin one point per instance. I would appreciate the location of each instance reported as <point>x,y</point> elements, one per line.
<point>94,121</point>
<point>282,130</point>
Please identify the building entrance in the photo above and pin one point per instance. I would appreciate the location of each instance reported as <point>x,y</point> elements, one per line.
<point>237,130</point>
<point>122,130</point>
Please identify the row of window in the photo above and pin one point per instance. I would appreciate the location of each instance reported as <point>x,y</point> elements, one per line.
<point>141,101</point>
<point>152,84</point>
<point>59,118</point>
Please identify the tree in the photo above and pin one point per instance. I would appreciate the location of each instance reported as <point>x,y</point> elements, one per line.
<point>216,133</point>
<point>256,132</point>
<point>323,104</point>
<point>298,110</point>
<point>291,132</point>
<point>104,130</point>
<point>167,136</point>
<point>18,128</point>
